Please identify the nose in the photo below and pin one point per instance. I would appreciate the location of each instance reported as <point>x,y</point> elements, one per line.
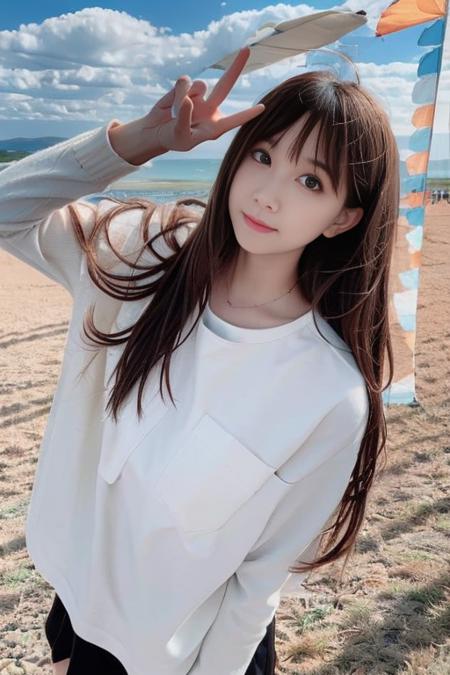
<point>267,197</point>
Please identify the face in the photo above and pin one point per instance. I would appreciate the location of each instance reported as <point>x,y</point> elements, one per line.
<point>297,200</point>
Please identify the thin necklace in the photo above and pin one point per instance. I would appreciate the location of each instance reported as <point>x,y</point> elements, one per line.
<point>262,303</point>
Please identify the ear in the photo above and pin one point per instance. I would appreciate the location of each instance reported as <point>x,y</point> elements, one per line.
<point>347,219</point>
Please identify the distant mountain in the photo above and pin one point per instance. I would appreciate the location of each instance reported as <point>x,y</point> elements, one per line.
<point>29,144</point>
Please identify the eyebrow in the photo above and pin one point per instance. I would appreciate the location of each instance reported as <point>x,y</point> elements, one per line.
<point>311,161</point>
<point>320,164</point>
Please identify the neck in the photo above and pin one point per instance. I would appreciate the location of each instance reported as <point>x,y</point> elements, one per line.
<point>256,280</point>
<point>285,308</point>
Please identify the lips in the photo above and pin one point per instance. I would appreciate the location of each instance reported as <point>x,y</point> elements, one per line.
<point>258,222</point>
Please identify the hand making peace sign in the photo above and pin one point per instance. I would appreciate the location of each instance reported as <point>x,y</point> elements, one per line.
<point>197,119</point>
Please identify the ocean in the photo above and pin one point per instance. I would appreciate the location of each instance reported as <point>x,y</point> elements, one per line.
<point>167,180</point>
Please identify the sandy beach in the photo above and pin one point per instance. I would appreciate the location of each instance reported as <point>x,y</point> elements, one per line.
<point>182,184</point>
<point>390,614</point>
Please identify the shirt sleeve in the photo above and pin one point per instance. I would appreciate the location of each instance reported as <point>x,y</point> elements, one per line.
<point>35,222</point>
<point>253,592</point>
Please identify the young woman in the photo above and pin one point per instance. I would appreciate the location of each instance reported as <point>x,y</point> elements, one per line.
<point>170,525</point>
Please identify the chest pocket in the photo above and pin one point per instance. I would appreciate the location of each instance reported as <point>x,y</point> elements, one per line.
<point>209,478</point>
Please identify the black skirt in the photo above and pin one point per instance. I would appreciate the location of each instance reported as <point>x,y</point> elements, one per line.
<point>86,657</point>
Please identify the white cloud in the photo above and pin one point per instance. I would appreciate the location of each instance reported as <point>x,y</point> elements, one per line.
<point>96,64</point>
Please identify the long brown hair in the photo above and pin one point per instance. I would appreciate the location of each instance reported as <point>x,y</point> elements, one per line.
<point>344,277</point>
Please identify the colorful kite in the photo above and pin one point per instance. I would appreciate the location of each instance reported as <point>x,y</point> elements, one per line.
<point>399,15</point>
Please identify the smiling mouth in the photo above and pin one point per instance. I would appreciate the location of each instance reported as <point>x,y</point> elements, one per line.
<point>256,225</point>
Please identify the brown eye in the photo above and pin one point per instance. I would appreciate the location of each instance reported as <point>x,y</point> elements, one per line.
<point>316,180</point>
<point>252,152</point>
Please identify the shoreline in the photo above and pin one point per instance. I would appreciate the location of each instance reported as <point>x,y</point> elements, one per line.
<point>161,184</point>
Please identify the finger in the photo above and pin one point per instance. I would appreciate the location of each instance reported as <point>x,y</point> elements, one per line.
<point>167,100</point>
<point>184,119</point>
<point>227,123</point>
<point>182,86</point>
<point>198,88</point>
<point>226,82</point>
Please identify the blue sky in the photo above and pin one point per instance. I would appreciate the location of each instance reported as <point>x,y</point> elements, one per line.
<point>187,17</point>
<point>66,67</point>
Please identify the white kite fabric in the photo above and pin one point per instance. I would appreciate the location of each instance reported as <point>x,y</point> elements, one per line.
<point>276,42</point>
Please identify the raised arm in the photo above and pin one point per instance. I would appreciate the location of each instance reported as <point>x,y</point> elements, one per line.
<point>35,224</point>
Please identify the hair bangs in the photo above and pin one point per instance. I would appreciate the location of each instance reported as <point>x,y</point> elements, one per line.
<point>328,144</point>
<point>331,144</point>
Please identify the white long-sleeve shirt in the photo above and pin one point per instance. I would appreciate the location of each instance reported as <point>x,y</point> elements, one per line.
<point>169,539</point>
